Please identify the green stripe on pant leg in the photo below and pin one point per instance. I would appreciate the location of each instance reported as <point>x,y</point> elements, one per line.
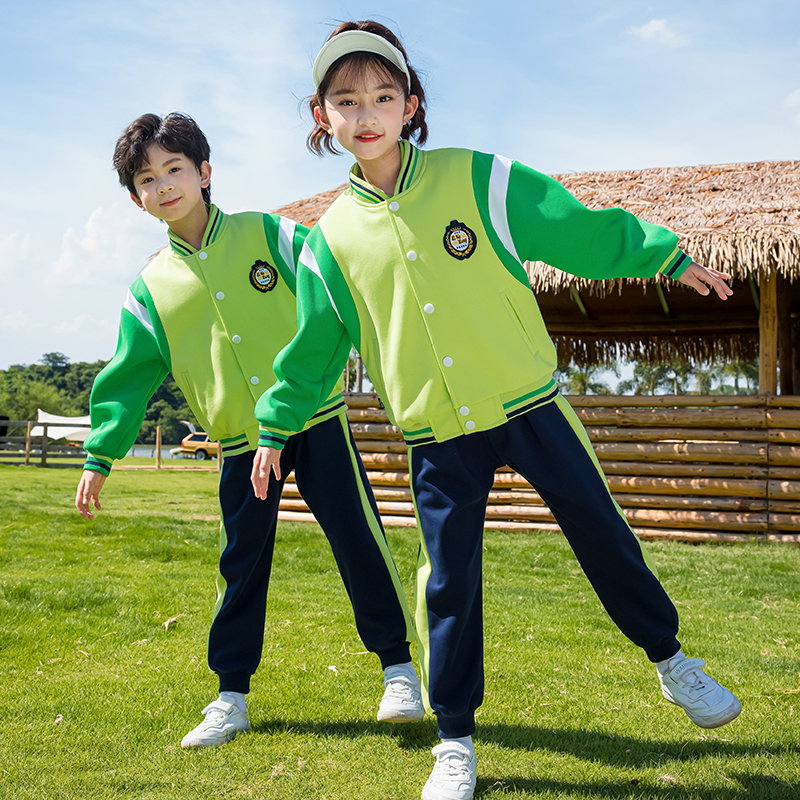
<point>580,431</point>
<point>375,528</point>
<point>222,584</point>
<point>421,609</point>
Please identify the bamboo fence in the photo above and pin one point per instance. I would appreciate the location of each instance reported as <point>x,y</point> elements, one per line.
<point>688,468</point>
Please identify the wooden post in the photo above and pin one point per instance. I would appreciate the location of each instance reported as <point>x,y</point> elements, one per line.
<point>28,444</point>
<point>768,335</point>
<point>158,447</point>
<point>44,445</point>
<point>785,344</point>
<point>359,374</point>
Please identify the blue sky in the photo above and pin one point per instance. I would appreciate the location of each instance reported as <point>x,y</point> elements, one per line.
<point>568,86</point>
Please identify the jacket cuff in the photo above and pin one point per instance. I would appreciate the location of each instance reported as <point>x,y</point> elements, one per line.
<point>676,265</point>
<point>271,438</point>
<point>98,464</point>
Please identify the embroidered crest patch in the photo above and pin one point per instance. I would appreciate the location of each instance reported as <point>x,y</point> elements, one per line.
<point>459,240</point>
<point>263,276</point>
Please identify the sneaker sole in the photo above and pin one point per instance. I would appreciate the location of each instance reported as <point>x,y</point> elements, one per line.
<point>196,745</point>
<point>396,719</point>
<point>728,715</point>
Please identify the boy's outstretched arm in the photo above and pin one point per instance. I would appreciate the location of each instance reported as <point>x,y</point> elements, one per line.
<point>696,276</point>
<point>88,492</point>
<point>265,459</point>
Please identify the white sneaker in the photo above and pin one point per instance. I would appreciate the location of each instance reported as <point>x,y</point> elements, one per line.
<point>223,721</point>
<point>402,698</point>
<point>454,773</point>
<point>707,703</point>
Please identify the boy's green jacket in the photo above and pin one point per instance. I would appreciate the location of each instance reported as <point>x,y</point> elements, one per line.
<point>428,284</point>
<point>215,318</point>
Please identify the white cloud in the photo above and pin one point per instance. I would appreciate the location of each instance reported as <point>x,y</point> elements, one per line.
<point>660,31</point>
<point>112,247</point>
<point>19,321</point>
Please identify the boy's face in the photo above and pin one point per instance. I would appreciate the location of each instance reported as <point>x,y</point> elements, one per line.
<point>366,119</point>
<point>169,185</point>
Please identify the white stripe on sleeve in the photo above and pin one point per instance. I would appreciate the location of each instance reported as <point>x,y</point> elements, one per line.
<point>286,242</point>
<point>498,191</point>
<point>307,259</point>
<point>139,311</point>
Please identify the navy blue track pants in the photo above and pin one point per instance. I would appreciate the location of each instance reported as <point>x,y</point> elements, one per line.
<point>332,481</point>
<point>451,481</point>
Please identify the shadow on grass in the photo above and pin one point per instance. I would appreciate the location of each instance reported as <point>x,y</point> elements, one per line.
<point>619,751</point>
<point>750,786</point>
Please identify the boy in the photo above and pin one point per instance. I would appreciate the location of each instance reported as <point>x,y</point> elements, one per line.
<point>213,308</point>
<point>419,263</point>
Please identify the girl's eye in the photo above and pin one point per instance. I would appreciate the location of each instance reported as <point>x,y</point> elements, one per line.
<point>143,181</point>
<point>174,169</point>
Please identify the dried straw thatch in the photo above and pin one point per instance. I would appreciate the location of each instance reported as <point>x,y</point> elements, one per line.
<point>739,218</point>
<point>743,219</point>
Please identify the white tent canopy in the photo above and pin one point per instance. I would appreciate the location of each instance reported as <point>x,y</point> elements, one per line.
<point>76,434</point>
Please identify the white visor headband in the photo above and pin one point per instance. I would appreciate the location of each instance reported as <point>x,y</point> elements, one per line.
<point>356,42</point>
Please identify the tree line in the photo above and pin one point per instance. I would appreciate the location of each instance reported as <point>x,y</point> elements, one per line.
<point>59,387</point>
<point>672,377</point>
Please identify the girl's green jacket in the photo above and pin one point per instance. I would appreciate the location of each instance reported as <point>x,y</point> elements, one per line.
<point>428,284</point>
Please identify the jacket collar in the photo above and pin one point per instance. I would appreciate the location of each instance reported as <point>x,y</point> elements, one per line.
<point>213,228</point>
<point>410,169</point>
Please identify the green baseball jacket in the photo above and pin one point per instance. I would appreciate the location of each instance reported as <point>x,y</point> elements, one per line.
<point>428,284</point>
<point>215,318</point>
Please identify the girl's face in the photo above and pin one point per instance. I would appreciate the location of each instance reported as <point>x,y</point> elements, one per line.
<point>366,116</point>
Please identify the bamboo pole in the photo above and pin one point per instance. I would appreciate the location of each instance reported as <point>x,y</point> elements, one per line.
<point>768,334</point>
<point>158,447</point>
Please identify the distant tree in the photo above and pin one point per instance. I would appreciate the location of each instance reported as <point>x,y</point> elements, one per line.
<point>54,360</point>
<point>586,380</point>
<point>742,370</point>
<point>20,398</point>
<point>669,378</point>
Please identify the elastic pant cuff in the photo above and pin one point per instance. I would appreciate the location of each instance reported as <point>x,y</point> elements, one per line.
<point>397,655</point>
<point>455,727</point>
<point>234,682</point>
<point>663,650</point>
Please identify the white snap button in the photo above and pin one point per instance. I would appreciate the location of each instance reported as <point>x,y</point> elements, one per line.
<point>428,308</point>
<point>447,361</point>
<point>411,255</point>
<point>464,410</point>
<point>236,339</point>
<point>469,425</point>
<point>220,295</point>
<point>202,255</point>
<point>394,205</point>
<point>254,380</point>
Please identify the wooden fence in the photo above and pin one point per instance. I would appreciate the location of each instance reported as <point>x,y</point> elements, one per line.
<point>724,468</point>
<point>40,451</point>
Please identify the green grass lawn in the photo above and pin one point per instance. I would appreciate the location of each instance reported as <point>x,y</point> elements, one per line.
<point>96,689</point>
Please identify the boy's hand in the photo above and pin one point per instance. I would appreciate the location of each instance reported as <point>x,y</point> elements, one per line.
<point>266,458</point>
<point>695,276</point>
<point>88,491</point>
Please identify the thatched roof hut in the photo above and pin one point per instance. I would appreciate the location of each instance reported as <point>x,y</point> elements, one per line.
<point>739,218</point>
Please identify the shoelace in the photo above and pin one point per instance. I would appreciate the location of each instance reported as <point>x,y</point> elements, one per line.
<point>700,683</point>
<point>453,763</point>
<point>401,688</point>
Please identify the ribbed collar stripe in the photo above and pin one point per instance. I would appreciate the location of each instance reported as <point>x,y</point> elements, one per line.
<point>215,217</point>
<point>408,167</point>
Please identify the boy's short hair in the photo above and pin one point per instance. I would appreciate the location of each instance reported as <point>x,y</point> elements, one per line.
<point>176,133</point>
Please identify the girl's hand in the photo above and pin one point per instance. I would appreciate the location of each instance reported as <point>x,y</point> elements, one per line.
<point>265,459</point>
<point>696,276</point>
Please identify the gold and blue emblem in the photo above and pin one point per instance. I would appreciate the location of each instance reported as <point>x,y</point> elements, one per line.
<point>263,276</point>
<point>459,240</point>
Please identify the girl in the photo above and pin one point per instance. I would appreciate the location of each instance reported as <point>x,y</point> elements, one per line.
<point>419,264</point>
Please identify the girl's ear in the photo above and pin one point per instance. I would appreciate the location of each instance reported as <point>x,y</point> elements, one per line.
<point>205,174</point>
<point>135,198</point>
<point>322,119</point>
<point>412,104</point>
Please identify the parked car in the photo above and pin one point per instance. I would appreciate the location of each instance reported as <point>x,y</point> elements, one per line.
<point>198,445</point>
